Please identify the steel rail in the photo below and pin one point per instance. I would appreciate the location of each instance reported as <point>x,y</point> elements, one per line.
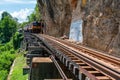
<point>66,52</point>
<point>54,60</point>
<point>106,57</point>
<point>107,71</point>
<point>100,55</point>
<point>109,59</point>
<point>59,68</point>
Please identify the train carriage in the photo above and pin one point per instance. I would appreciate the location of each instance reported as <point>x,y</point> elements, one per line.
<point>36,27</point>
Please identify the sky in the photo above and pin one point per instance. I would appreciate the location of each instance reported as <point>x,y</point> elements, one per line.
<point>18,8</point>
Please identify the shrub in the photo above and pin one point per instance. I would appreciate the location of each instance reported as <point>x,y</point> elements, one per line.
<point>3,75</point>
<point>17,38</point>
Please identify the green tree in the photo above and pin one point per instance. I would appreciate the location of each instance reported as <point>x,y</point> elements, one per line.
<point>8,27</point>
<point>31,17</point>
<point>17,38</point>
<point>21,25</point>
<point>35,15</point>
<point>4,14</point>
<point>3,75</point>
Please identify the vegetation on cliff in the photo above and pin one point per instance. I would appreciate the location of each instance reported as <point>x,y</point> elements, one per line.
<point>35,16</point>
<point>10,39</point>
<point>8,27</point>
<point>9,43</point>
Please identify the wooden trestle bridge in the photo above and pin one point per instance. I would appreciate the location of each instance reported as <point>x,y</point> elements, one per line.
<point>71,61</point>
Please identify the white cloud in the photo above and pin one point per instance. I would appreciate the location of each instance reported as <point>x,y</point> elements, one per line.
<point>18,1</point>
<point>22,14</point>
<point>1,12</point>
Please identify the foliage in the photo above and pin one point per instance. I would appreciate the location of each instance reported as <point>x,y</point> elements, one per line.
<point>7,54</point>
<point>32,17</point>
<point>23,24</point>
<point>35,16</point>
<point>9,43</point>
<point>3,75</point>
<point>17,38</point>
<point>8,27</point>
<point>6,58</point>
<point>5,14</point>
<point>37,13</point>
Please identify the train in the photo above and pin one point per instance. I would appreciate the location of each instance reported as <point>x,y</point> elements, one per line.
<point>36,27</point>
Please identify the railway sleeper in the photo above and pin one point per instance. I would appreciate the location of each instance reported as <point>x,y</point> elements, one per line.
<point>31,48</point>
<point>86,67</point>
<point>69,62</point>
<point>103,78</point>
<point>71,66</point>
<point>97,74</point>
<point>73,58</point>
<point>70,55</point>
<point>82,64</point>
<point>82,76</point>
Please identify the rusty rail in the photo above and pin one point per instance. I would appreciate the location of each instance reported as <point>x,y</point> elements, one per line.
<point>59,68</point>
<point>97,65</point>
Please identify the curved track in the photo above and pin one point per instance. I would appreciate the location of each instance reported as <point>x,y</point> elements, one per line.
<point>105,65</point>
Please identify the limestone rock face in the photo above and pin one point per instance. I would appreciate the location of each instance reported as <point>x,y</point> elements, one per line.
<point>101,25</point>
<point>57,14</point>
<point>101,21</point>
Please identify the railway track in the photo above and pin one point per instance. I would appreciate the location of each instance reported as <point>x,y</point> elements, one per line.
<point>64,77</point>
<point>92,63</point>
<point>31,39</point>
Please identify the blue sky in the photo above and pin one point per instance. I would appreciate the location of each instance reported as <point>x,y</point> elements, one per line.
<point>18,8</point>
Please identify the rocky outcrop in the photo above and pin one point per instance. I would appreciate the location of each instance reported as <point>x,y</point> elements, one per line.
<point>101,21</point>
<point>101,25</point>
<point>57,14</point>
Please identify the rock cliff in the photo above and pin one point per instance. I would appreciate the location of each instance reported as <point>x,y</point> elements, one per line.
<point>101,21</point>
<point>57,14</point>
<point>101,25</point>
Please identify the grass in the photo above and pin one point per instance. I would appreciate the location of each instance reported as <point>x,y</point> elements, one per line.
<point>17,73</point>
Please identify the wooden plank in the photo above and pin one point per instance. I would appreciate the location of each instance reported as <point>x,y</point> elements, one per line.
<point>80,63</point>
<point>41,60</point>
<point>103,78</point>
<point>85,67</point>
<point>76,60</point>
<point>93,72</point>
